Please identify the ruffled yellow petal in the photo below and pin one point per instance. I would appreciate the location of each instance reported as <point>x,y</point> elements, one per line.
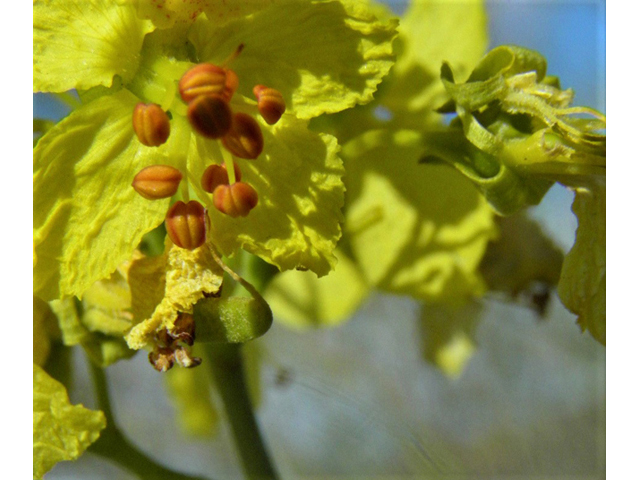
<point>84,44</point>
<point>61,431</point>
<point>323,57</point>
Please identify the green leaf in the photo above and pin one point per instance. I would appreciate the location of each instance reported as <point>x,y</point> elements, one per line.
<point>448,335</point>
<point>582,286</point>
<point>300,300</point>
<point>300,194</point>
<point>323,57</point>
<point>87,217</point>
<point>83,45</point>
<point>414,229</point>
<point>61,431</point>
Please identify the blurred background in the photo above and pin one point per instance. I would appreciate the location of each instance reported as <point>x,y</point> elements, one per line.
<point>359,400</point>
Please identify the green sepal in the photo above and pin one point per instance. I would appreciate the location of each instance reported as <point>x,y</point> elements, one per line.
<point>231,320</point>
<point>507,61</point>
<point>506,190</point>
<point>61,431</point>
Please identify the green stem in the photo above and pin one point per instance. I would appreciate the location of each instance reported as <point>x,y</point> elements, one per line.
<point>114,446</point>
<point>225,361</point>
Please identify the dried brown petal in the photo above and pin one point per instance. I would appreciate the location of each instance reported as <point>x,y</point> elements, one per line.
<point>184,359</point>
<point>157,181</point>
<point>162,359</point>
<point>235,200</point>
<point>186,224</point>
<point>151,124</point>
<point>210,115</point>
<point>184,329</point>
<point>244,139</point>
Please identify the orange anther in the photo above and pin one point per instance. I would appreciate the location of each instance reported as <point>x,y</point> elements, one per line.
<point>186,224</point>
<point>215,175</point>
<point>244,139</point>
<point>151,124</point>
<point>157,181</point>
<point>210,115</point>
<point>203,79</point>
<point>270,103</point>
<point>235,200</point>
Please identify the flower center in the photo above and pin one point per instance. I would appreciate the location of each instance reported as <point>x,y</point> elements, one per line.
<point>203,94</point>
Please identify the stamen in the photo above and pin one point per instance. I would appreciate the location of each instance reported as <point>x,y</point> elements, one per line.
<point>203,79</point>
<point>210,116</point>
<point>157,181</point>
<point>216,175</point>
<point>233,56</point>
<point>235,200</point>
<point>151,124</point>
<point>187,224</point>
<point>270,103</point>
<point>244,139</point>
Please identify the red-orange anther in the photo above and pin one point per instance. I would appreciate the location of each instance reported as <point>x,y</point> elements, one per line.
<point>203,79</point>
<point>216,175</point>
<point>210,115</point>
<point>244,139</point>
<point>151,124</point>
<point>186,224</point>
<point>235,200</point>
<point>157,181</point>
<point>270,103</point>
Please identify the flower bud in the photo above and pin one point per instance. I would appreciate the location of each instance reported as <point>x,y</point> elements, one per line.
<point>203,79</point>
<point>216,175</point>
<point>270,103</point>
<point>186,224</point>
<point>151,124</point>
<point>157,181</point>
<point>235,200</point>
<point>210,115</point>
<point>244,139</point>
